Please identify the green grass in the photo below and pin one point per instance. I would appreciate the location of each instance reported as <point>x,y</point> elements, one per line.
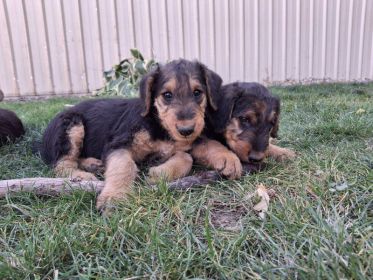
<point>311,231</point>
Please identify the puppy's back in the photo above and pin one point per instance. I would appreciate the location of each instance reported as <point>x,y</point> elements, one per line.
<point>99,118</point>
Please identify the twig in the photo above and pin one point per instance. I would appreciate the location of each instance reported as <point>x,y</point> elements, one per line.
<point>58,186</point>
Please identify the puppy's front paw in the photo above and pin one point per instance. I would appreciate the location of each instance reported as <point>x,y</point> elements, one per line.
<point>229,165</point>
<point>103,200</point>
<point>80,175</point>
<point>156,173</point>
<point>283,154</point>
<point>107,200</point>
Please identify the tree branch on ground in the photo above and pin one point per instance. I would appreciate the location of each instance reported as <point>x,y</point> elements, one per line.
<point>58,186</point>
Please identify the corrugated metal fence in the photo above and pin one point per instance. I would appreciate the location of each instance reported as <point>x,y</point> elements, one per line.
<point>62,47</point>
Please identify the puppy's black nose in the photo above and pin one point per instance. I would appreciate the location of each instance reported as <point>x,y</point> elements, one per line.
<point>256,156</point>
<point>186,131</point>
<point>254,159</point>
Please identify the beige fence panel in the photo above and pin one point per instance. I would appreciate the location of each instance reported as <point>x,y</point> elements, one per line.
<point>55,47</point>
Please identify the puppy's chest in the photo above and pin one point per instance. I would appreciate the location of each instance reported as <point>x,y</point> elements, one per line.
<point>143,146</point>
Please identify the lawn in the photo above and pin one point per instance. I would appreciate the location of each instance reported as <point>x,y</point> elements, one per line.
<point>319,224</point>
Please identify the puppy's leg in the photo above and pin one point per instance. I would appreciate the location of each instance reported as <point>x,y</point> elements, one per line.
<point>215,155</point>
<point>67,166</point>
<point>179,165</point>
<point>279,153</point>
<point>91,164</point>
<point>121,172</point>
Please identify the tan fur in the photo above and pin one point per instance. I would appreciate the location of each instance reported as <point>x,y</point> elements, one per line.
<point>167,113</point>
<point>91,164</point>
<point>234,128</point>
<point>68,165</point>
<point>240,148</point>
<point>148,97</point>
<point>121,172</point>
<point>260,107</point>
<point>279,153</point>
<point>170,85</point>
<point>167,116</point>
<point>272,116</point>
<point>179,165</point>
<point>121,169</point>
<point>143,146</point>
<point>251,115</point>
<point>213,154</point>
<point>195,84</point>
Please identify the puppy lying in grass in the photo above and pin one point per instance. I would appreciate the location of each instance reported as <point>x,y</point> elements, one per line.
<point>165,121</point>
<point>246,120</point>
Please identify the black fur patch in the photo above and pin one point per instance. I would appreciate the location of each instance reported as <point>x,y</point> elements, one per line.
<point>11,127</point>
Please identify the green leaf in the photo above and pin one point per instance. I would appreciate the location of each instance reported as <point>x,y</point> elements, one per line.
<point>112,85</point>
<point>124,78</point>
<point>108,75</point>
<point>139,66</point>
<point>136,54</point>
<point>124,61</point>
<point>122,87</point>
<point>149,65</point>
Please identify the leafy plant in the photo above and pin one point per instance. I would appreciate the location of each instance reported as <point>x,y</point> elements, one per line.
<point>123,79</point>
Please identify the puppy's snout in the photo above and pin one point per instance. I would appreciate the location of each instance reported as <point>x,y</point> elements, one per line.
<point>186,130</point>
<point>256,156</point>
<point>186,114</point>
<point>254,159</point>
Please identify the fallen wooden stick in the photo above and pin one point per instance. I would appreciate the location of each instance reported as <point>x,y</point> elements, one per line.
<point>48,186</point>
<point>58,186</point>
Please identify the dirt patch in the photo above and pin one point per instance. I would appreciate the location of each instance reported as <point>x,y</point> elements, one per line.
<point>227,216</point>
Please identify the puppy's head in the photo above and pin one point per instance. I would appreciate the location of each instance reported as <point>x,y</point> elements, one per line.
<point>179,94</point>
<point>249,117</point>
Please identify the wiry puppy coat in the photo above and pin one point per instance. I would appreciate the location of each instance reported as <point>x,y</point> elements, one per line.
<point>247,117</point>
<point>165,121</point>
<point>11,127</point>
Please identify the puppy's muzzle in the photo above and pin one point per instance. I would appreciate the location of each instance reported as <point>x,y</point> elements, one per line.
<point>186,130</point>
<point>256,156</point>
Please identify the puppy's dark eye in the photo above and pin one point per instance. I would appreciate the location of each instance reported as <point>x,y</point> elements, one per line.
<point>197,93</point>
<point>167,95</point>
<point>244,120</point>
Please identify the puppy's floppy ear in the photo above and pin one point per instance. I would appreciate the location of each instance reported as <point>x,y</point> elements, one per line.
<point>213,84</point>
<point>146,89</point>
<point>222,117</point>
<point>275,127</point>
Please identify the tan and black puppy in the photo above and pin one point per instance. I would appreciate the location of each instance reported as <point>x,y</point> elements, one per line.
<point>247,117</point>
<point>164,122</point>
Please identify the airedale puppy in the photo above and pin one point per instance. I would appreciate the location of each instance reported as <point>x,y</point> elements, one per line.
<point>11,127</point>
<point>247,117</point>
<point>165,121</point>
